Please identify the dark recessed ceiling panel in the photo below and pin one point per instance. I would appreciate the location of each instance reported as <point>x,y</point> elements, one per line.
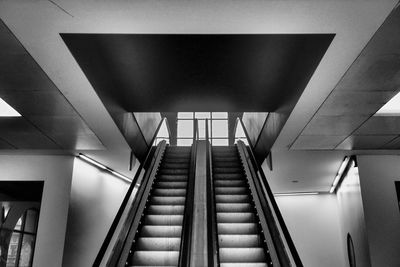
<point>185,72</point>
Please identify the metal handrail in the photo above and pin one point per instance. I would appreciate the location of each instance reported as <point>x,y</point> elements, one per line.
<point>213,246</point>
<point>187,225</point>
<point>106,243</point>
<point>260,177</point>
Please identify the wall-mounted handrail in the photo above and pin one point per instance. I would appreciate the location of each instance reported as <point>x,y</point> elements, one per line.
<point>269,197</point>
<point>106,243</point>
<point>213,246</point>
<point>187,225</point>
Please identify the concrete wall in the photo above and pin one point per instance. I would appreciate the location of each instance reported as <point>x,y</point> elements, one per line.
<point>95,198</point>
<point>313,223</point>
<point>352,218</point>
<point>56,172</point>
<point>377,176</point>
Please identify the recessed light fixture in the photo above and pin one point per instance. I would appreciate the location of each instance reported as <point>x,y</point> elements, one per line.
<point>6,110</point>
<point>103,167</point>
<point>391,108</point>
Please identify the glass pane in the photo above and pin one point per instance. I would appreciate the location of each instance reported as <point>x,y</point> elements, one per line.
<point>19,224</point>
<point>202,129</point>
<point>220,128</point>
<point>185,115</point>
<point>13,250</point>
<point>220,142</point>
<point>202,115</point>
<point>184,142</point>
<point>239,131</point>
<point>31,221</point>
<point>163,132</point>
<point>26,250</point>
<point>185,128</point>
<point>220,115</point>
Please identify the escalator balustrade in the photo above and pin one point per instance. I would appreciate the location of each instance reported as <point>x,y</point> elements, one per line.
<point>158,238</point>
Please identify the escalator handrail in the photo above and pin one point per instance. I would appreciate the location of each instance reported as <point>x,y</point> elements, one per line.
<point>106,243</point>
<point>271,199</point>
<point>187,225</point>
<point>213,245</point>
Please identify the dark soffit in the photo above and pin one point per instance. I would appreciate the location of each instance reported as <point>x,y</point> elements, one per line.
<point>190,72</point>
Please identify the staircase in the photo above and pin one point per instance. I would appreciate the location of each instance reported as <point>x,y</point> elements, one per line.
<point>240,239</point>
<point>159,235</point>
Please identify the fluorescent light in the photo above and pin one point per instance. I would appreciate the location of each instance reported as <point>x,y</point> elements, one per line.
<point>6,110</point>
<point>123,177</point>
<point>391,108</point>
<point>92,161</point>
<point>101,166</point>
<point>296,194</point>
<point>339,174</point>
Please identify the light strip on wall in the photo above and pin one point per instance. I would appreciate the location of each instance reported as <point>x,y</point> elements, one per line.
<point>6,110</point>
<point>339,174</point>
<point>103,167</point>
<point>296,194</point>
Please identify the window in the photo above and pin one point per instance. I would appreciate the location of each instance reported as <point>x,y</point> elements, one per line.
<point>162,134</point>
<point>240,135</point>
<point>217,125</point>
<point>22,242</point>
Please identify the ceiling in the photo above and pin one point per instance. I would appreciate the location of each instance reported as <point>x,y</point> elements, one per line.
<point>346,119</point>
<point>37,26</point>
<point>198,72</point>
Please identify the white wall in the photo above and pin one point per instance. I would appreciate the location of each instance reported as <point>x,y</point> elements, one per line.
<point>56,172</point>
<point>377,176</point>
<point>313,223</point>
<point>352,217</point>
<point>95,198</point>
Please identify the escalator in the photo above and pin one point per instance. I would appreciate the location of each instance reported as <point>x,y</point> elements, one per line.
<point>235,222</point>
<point>158,238</point>
<point>240,237</point>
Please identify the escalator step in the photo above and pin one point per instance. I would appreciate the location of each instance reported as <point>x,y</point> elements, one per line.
<point>177,160</point>
<point>230,190</point>
<point>167,200</point>
<point>171,178</point>
<point>172,185</point>
<point>165,209</point>
<point>244,264</point>
<point>236,217</point>
<point>224,170</point>
<point>169,192</point>
<point>237,228</point>
<point>230,183</point>
<point>169,165</point>
<point>237,255</point>
<point>158,243</point>
<point>160,258</point>
<point>228,176</point>
<point>173,171</point>
<point>232,198</point>
<point>163,219</point>
<point>161,231</point>
<point>234,207</point>
<point>239,241</point>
